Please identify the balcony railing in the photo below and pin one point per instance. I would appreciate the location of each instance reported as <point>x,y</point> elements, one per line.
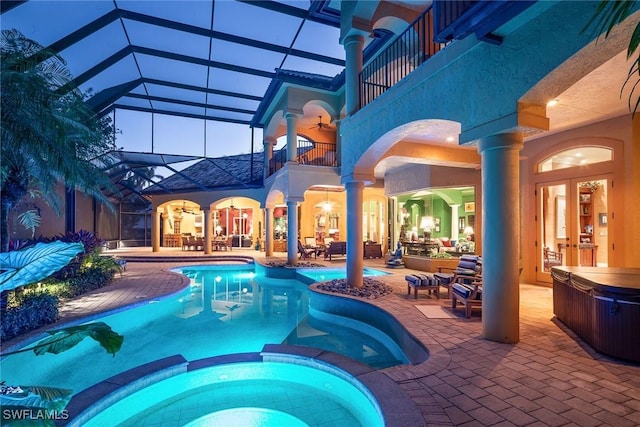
<point>309,153</point>
<point>457,19</point>
<point>406,53</point>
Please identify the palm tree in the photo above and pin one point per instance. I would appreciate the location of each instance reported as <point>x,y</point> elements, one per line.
<point>47,136</point>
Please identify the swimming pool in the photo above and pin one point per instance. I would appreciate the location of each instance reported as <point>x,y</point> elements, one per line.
<point>225,310</point>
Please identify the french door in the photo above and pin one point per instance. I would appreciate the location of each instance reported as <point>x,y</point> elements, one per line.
<point>573,223</point>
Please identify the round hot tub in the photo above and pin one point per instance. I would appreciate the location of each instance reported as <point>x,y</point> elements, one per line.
<point>268,393</point>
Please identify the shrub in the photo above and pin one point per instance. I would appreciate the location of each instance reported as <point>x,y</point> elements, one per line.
<point>89,239</point>
<point>86,272</point>
<point>444,255</point>
<point>35,310</point>
<point>94,273</point>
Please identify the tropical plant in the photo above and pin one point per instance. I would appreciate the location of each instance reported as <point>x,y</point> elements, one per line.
<point>444,255</point>
<point>27,311</point>
<point>30,220</point>
<point>63,339</point>
<point>33,264</point>
<point>31,400</point>
<point>609,14</point>
<point>49,134</point>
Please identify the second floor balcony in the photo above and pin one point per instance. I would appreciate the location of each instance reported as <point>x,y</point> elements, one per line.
<point>447,20</point>
<point>308,153</point>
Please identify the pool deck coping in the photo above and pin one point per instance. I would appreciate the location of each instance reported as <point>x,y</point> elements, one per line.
<point>397,409</point>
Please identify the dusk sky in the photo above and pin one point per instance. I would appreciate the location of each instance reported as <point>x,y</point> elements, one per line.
<point>167,44</point>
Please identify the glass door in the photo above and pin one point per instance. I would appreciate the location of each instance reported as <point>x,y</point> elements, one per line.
<point>592,222</point>
<point>554,236</point>
<point>573,224</point>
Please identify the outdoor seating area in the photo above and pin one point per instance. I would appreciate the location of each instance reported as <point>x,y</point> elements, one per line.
<point>335,248</point>
<point>191,243</point>
<point>306,251</point>
<point>469,268</point>
<point>221,243</point>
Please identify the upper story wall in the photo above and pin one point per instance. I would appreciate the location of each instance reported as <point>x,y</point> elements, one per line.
<point>479,84</point>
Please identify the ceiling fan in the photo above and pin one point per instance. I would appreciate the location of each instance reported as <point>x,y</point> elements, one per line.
<point>320,125</point>
<point>184,209</point>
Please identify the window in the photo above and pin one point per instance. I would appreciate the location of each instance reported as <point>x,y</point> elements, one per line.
<point>575,157</point>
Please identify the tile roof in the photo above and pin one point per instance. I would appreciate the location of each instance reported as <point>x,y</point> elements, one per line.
<point>215,174</point>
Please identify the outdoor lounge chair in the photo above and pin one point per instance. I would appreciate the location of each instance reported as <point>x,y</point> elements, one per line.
<point>469,268</point>
<point>310,243</point>
<point>470,294</point>
<point>305,252</point>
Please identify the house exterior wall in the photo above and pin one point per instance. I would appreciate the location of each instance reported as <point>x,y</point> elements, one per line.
<point>617,133</point>
<point>501,76</point>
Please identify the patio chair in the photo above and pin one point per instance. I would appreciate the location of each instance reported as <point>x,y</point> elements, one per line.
<point>199,244</point>
<point>310,243</point>
<point>469,268</point>
<point>469,294</point>
<point>551,258</point>
<point>305,252</point>
<point>188,242</point>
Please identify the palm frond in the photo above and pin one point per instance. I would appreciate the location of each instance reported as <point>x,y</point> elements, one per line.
<point>30,220</point>
<point>608,14</point>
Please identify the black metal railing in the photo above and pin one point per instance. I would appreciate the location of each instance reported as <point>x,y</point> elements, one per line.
<point>458,19</point>
<point>309,153</point>
<point>448,12</point>
<point>406,53</point>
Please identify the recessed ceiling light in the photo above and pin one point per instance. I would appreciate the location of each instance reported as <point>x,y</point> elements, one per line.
<point>552,103</point>
<point>578,154</point>
<point>450,139</point>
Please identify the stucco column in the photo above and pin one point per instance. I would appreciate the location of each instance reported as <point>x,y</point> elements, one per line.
<point>292,232</point>
<point>268,232</point>
<point>501,236</point>
<point>292,140</point>
<point>454,222</point>
<point>355,250</point>
<point>155,231</point>
<point>208,231</point>
<point>353,45</point>
<point>268,144</point>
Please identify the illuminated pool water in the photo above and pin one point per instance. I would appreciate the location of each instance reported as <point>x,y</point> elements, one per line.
<point>325,274</point>
<point>225,310</point>
<point>259,394</point>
